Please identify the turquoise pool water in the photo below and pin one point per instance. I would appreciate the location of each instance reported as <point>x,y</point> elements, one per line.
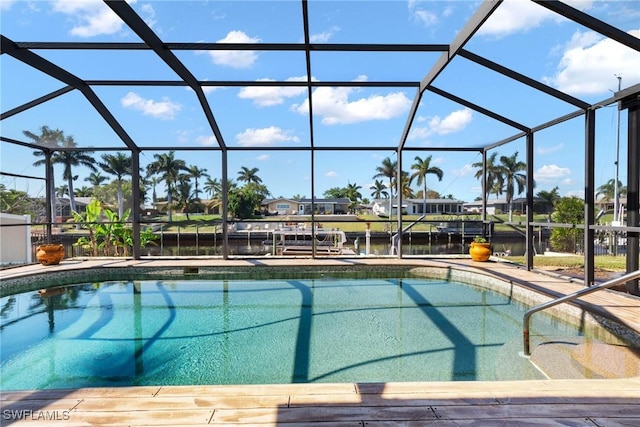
<point>260,331</point>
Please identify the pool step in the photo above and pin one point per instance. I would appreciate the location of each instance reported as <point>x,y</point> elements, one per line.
<point>576,358</point>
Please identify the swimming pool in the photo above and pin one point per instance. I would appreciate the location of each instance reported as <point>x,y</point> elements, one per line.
<point>247,331</point>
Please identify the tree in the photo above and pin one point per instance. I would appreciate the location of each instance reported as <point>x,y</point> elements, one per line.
<point>249,175</point>
<point>15,202</point>
<point>118,164</point>
<point>352,192</point>
<point>62,190</point>
<point>423,168</point>
<point>379,189</point>
<point>550,197</point>
<point>335,193</point>
<point>96,179</point>
<point>569,210</point>
<point>185,200</point>
<point>84,191</point>
<point>608,190</point>
<point>168,168</point>
<point>242,202</point>
<point>493,177</point>
<point>510,169</point>
<point>213,187</point>
<point>196,173</point>
<point>387,170</point>
<point>67,157</point>
<point>405,185</point>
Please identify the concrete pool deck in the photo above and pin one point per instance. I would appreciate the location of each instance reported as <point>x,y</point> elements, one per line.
<point>611,399</point>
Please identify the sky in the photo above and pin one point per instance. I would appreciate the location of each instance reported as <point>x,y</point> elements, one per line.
<point>520,35</point>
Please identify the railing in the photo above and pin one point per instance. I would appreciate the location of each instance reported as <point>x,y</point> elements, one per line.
<point>613,282</point>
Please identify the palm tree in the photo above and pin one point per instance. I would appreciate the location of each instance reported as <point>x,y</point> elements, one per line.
<point>387,170</point>
<point>154,181</point>
<point>423,168</point>
<point>62,190</point>
<point>352,193</point>
<point>168,168</point>
<point>249,175</point>
<point>96,179</point>
<point>196,173</point>
<point>379,189</point>
<point>118,164</point>
<point>405,185</point>
<point>213,187</point>
<point>493,179</point>
<point>184,196</point>
<point>550,197</point>
<point>70,159</point>
<point>608,190</point>
<point>84,191</point>
<point>54,138</point>
<point>511,170</point>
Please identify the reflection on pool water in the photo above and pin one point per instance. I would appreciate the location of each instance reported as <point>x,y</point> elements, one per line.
<point>261,331</point>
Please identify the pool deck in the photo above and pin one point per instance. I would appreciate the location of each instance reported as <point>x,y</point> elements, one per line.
<point>613,399</point>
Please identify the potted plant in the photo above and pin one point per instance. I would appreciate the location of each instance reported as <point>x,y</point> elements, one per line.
<point>480,249</point>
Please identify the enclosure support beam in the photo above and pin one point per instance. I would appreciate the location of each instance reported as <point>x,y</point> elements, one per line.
<point>50,199</point>
<point>530,234</point>
<point>632,104</point>
<point>135,202</point>
<point>589,195</point>
<point>225,202</point>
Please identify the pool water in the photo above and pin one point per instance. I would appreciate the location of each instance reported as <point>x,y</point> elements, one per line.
<point>260,331</point>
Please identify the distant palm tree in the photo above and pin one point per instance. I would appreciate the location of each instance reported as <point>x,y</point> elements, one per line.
<point>352,193</point>
<point>196,173</point>
<point>84,191</point>
<point>493,179</point>
<point>423,168</point>
<point>62,190</point>
<point>184,196</point>
<point>168,168</point>
<point>608,190</point>
<point>387,170</point>
<point>379,190</point>
<point>249,175</point>
<point>96,179</point>
<point>154,181</point>
<point>511,170</point>
<point>550,197</point>
<point>213,187</point>
<point>118,164</point>
<point>68,158</point>
<point>405,185</point>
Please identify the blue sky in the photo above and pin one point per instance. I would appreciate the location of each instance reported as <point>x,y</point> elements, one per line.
<point>521,35</point>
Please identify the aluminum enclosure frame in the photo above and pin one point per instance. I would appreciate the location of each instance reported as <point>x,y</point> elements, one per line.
<point>25,53</point>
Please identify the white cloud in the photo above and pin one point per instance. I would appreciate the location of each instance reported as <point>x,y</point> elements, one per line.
<point>550,174</point>
<point>6,4</point>
<point>334,106</point>
<point>426,17</point>
<point>514,16</point>
<point>164,109</point>
<point>549,150</point>
<point>331,174</point>
<point>454,122</point>
<point>324,36</point>
<point>589,65</point>
<point>235,59</point>
<point>265,136</point>
<point>267,96</point>
<point>90,17</point>
<point>206,140</point>
<point>263,157</point>
<point>466,169</point>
